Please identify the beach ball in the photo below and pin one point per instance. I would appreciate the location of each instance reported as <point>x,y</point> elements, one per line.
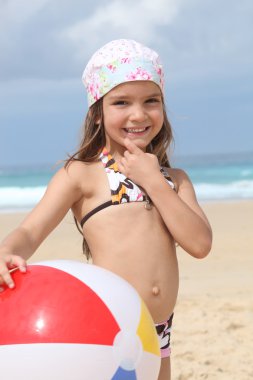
<point>69,320</point>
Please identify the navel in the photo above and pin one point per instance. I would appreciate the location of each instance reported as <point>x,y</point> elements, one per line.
<point>155,290</point>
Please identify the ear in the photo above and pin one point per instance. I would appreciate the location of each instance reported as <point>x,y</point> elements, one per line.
<point>98,121</point>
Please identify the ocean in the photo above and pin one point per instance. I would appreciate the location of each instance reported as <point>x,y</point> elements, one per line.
<point>219,177</point>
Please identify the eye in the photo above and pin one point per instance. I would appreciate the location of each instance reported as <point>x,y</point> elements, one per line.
<point>120,103</point>
<point>153,100</point>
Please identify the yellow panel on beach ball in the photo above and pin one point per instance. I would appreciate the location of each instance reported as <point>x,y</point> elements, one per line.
<point>147,332</point>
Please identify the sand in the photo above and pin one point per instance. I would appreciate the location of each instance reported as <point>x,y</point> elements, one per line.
<point>213,324</point>
<point>213,328</point>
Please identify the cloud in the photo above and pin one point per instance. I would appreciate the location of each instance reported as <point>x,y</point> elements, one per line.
<point>211,40</point>
<point>197,40</point>
<point>16,12</point>
<point>13,16</point>
<point>121,18</point>
<point>206,47</point>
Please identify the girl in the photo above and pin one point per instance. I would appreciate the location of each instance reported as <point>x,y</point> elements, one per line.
<point>129,204</point>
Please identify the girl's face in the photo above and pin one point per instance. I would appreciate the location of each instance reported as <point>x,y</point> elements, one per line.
<point>133,110</point>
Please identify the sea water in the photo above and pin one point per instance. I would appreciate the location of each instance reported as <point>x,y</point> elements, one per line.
<point>219,177</point>
<point>21,188</point>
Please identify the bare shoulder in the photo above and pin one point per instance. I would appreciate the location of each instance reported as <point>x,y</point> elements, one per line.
<point>76,173</point>
<point>68,183</point>
<point>75,168</point>
<point>63,191</point>
<point>83,174</point>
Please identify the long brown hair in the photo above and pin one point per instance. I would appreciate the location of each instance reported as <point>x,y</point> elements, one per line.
<point>93,142</point>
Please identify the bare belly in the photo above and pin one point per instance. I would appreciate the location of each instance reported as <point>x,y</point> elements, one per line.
<point>158,287</point>
<point>140,250</point>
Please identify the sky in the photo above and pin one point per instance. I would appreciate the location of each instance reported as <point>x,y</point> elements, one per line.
<point>207,52</point>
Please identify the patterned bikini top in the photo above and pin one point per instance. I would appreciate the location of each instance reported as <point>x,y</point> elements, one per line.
<point>123,190</point>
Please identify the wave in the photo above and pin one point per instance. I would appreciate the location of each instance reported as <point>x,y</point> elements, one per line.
<point>23,198</point>
<point>20,198</point>
<point>232,190</point>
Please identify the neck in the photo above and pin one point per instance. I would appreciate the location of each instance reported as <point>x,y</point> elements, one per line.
<point>116,150</point>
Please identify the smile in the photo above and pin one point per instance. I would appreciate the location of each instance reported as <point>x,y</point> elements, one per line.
<point>135,130</point>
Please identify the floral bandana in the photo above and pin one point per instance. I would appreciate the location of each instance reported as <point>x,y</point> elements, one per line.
<point>118,62</point>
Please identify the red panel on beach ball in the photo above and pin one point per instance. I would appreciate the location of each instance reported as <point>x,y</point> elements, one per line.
<point>49,305</point>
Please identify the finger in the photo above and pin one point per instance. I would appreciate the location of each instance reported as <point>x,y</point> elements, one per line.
<point>2,285</point>
<point>7,279</point>
<point>13,263</point>
<point>127,154</point>
<point>121,166</point>
<point>13,270</point>
<point>132,147</point>
<point>17,262</point>
<point>22,265</point>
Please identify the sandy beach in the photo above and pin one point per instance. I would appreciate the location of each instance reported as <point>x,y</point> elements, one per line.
<point>213,330</point>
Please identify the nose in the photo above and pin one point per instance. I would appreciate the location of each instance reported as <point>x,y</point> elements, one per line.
<point>138,113</point>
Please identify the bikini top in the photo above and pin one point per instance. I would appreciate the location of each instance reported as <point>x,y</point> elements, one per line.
<point>123,190</point>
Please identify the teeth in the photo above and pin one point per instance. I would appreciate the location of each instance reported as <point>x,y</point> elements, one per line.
<point>135,130</point>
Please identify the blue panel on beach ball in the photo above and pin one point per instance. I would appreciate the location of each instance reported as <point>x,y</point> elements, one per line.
<point>122,374</point>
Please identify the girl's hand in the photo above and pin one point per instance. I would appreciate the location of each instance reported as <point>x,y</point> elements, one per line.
<point>9,262</point>
<point>138,165</point>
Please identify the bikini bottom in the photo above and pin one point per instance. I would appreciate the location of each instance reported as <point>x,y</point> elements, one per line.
<point>163,331</point>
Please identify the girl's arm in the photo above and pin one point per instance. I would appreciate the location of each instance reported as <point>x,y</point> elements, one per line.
<point>180,211</point>
<point>182,214</point>
<point>62,192</point>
